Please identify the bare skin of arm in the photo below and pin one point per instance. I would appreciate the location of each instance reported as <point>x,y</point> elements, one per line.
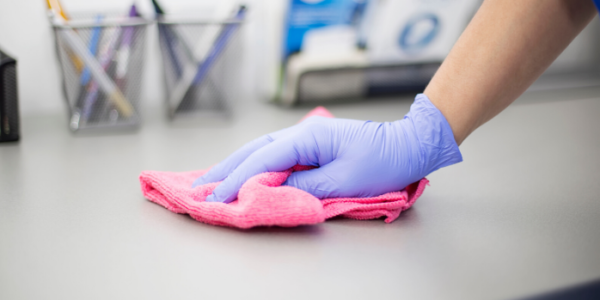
<point>505,48</point>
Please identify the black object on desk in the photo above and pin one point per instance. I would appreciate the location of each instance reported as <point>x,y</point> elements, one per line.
<point>586,291</point>
<point>9,109</point>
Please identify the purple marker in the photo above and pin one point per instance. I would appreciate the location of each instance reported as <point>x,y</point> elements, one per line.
<point>106,55</point>
<point>123,56</point>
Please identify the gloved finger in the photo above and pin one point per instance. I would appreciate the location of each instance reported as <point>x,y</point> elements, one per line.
<point>222,169</point>
<point>225,167</point>
<point>322,183</point>
<point>310,119</point>
<point>277,156</point>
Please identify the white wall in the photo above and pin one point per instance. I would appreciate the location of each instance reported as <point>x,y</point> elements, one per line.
<point>26,34</point>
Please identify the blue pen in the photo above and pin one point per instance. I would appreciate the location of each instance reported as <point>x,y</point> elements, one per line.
<point>219,46</point>
<point>169,37</point>
<point>195,74</point>
<point>106,54</point>
<point>85,75</point>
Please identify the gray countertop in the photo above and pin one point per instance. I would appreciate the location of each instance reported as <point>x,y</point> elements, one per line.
<point>520,215</point>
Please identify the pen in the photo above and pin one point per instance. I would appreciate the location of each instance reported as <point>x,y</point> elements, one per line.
<point>85,76</point>
<point>55,6</point>
<point>196,76</point>
<point>106,55</point>
<point>122,59</point>
<point>169,38</point>
<point>219,45</point>
<point>71,38</point>
<point>124,50</point>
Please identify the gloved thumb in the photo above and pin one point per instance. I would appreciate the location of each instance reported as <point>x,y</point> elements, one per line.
<point>321,183</point>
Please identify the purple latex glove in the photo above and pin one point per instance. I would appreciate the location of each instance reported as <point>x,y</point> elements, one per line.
<point>355,158</point>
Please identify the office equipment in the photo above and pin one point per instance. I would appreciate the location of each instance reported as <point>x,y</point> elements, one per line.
<point>186,63</point>
<point>112,35</point>
<point>219,44</point>
<point>207,61</point>
<point>70,38</point>
<point>397,46</point>
<point>84,91</point>
<point>167,39</point>
<point>345,78</point>
<point>125,49</point>
<point>9,100</point>
<point>91,105</point>
<point>56,8</point>
<point>195,79</point>
<point>304,16</point>
<point>107,50</point>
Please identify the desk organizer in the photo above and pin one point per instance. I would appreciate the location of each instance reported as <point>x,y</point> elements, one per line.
<point>199,56</point>
<point>102,62</point>
<point>9,109</point>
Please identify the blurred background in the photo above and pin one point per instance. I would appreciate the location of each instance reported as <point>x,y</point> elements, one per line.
<point>280,41</point>
<point>518,217</point>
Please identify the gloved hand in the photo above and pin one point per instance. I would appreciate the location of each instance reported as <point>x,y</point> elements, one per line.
<point>354,158</point>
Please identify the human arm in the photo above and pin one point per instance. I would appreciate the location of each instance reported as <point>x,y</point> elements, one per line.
<point>505,48</point>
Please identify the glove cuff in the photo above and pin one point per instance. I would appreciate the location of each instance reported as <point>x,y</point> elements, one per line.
<point>438,147</point>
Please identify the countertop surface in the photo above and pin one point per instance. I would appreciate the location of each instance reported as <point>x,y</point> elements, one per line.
<point>520,216</point>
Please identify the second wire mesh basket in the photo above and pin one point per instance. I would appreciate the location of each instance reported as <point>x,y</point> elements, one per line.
<point>198,58</point>
<point>101,61</point>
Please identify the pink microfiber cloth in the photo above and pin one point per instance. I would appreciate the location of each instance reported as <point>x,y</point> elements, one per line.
<point>262,201</point>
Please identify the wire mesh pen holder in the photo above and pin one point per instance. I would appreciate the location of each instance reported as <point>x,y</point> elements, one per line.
<point>199,58</point>
<point>101,62</point>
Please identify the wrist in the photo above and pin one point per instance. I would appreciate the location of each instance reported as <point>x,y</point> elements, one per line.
<point>463,119</point>
<point>437,145</point>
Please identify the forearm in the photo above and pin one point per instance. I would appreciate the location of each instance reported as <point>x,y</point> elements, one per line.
<point>505,48</point>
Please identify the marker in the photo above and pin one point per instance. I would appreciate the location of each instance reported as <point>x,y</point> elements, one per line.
<point>122,61</point>
<point>106,54</point>
<point>55,6</point>
<point>71,38</point>
<point>196,76</point>
<point>170,40</point>
<point>85,76</point>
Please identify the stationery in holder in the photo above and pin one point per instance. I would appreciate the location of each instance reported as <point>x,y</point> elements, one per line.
<point>168,39</point>
<point>106,92</point>
<point>109,47</point>
<point>196,71</point>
